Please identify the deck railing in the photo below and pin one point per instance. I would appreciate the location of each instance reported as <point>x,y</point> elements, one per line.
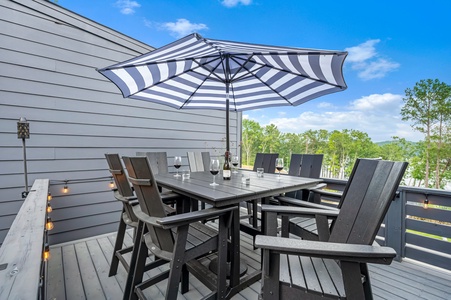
<point>417,225</point>
<point>22,258</point>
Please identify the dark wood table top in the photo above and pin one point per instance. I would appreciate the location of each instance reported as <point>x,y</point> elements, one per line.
<point>233,191</point>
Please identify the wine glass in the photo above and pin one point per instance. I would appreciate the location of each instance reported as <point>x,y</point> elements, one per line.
<point>214,169</point>
<point>235,161</point>
<point>177,164</point>
<point>279,165</point>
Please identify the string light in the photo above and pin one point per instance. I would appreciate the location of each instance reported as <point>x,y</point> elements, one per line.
<point>49,208</point>
<point>46,254</point>
<point>49,224</point>
<point>112,183</point>
<point>65,188</point>
<point>426,202</point>
<point>49,197</point>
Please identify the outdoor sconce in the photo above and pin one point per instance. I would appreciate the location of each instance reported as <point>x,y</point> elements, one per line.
<point>46,254</point>
<point>426,202</point>
<point>49,208</point>
<point>23,132</point>
<point>49,224</point>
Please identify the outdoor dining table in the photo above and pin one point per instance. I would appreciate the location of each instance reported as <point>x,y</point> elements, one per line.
<point>233,192</point>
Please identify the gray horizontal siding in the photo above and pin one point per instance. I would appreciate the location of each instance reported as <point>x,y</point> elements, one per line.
<point>48,61</point>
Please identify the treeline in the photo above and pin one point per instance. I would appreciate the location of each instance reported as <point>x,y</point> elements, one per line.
<point>427,105</point>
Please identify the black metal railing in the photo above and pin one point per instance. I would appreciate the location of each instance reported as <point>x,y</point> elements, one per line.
<point>417,225</point>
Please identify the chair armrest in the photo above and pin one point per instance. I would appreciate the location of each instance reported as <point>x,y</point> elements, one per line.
<point>302,203</point>
<point>121,198</point>
<point>142,216</point>
<point>299,211</point>
<point>343,252</point>
<point>191,217</point>
<point>329,194</point>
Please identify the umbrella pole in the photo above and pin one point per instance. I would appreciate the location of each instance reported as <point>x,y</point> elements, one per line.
<point>227,123</point>
<point>227,79</point>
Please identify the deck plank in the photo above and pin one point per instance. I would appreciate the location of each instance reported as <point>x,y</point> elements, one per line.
<point>91,282</point>
<point>110,285</point>
<point>406,280</point>
<point>55,279</point>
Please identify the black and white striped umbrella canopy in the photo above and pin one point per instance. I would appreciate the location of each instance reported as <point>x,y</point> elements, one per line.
<point>201,73</point>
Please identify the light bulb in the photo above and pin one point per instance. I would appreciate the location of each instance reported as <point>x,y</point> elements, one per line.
<point>49,197</point>
<point>49,224</point>
<point>49,208</point>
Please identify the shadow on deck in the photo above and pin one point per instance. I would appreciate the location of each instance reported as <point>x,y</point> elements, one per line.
<point>79,270</point>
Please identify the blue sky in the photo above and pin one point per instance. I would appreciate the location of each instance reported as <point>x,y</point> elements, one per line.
<point>391,44</point>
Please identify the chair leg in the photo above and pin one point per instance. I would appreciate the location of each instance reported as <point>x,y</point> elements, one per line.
<point>137,263</point>
<point>177,263</point>
<point>185,279</point>
<point>117,246</point>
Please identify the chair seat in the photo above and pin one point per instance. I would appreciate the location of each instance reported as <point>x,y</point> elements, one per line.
<point>296,277</point>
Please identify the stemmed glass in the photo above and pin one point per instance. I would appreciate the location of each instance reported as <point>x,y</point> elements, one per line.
<point>279,165</point>
<point>235,161</point>
<point>177,164</point>
<point>214,169</point>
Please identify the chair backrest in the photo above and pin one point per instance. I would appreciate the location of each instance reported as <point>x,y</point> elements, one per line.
<point>141,176</point>
<point>306,165</point>
<point>198,161</point>
<point>366,199</point>
<point>267,161</point>
<point>119,177</point>
<point>158,161</point>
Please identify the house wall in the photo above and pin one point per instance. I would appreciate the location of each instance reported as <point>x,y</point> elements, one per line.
<point>48,61</point>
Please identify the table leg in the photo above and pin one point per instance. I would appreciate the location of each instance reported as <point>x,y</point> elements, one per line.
<point>235,249</point>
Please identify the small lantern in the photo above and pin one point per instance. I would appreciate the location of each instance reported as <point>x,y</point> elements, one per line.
<point>23,129</point>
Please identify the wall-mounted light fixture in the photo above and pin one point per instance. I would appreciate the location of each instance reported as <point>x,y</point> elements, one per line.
<point>23,132</point>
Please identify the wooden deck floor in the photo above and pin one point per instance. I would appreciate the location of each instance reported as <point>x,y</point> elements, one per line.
<point>79,270</point>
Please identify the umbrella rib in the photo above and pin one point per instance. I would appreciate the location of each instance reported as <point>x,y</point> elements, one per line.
<point>264,83</point>
<point>203,81</point>
<point>296,74</point>
<point>169,78</point>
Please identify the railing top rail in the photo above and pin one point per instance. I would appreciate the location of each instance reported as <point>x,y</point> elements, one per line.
<point>22,249</point>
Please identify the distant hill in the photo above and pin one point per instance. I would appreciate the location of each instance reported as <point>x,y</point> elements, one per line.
<point>389,142</point>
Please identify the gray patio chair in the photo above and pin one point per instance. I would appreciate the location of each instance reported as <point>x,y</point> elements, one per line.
<point>336,269</point>
<point>124,193</point>
<point>306,227</point>
<point>178,239</point>
<point>198,161</point>
<point>267,161</point>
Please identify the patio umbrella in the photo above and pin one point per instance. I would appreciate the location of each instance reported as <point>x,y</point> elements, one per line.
<point>200,73</point>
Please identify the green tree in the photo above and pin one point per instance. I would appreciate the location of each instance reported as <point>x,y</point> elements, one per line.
<point>251,139</point>
<point>424,106</point>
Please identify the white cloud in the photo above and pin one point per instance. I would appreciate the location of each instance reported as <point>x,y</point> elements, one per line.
<point>365,59</point>
<point>127,7</point>
<point>325,105</point>
<point>378,115</point>
<point>233,3</point>
<point>182,27</point>
<point>377,102</point>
